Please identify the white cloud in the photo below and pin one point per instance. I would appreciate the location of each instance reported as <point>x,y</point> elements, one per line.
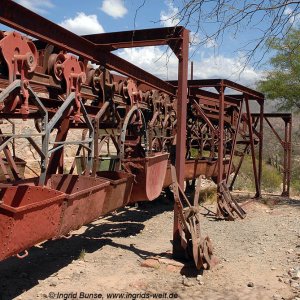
<point>232,68</point>
<point>83,24</point>
<point>293,15</point>
<point>211,43</point>
<point>194,38</point>
<point>36,5</point>
<point>155,61</point>
<point>169,17</point>
<point>114,8</point>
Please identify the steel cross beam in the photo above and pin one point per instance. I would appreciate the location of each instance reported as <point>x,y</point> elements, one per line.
<point>24,20</point>
<point>217,83</point>
<point>136,38</point>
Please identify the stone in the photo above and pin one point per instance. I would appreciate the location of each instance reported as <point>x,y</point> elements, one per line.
<point>273,268</point>
<point>150,263</point>
<point>276,297</point>
<point>172,262</point>
<point>290,251</point>
<point>294,284</point>
<point>250,284</point>
<point>187,282</point>
<point>294,272</point>
<point>172,268</point>
<point>199,277</point>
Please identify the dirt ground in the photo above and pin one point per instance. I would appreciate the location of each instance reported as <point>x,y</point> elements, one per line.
<point>256,256</point>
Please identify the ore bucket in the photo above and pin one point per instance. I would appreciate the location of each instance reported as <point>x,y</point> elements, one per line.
<point>29,215</point>
<point>149,174</point>
<point>119,190</point>
<point>84,199</point>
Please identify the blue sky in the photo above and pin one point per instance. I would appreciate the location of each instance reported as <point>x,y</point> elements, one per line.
<point>96,16</point>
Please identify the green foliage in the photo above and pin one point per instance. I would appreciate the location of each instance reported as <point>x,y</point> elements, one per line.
<point>82,254</point>
<point>271,178</point>
<point>295,180</point>
<point>283,82</point>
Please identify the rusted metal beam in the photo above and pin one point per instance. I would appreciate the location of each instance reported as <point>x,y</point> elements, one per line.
<point>178,250</point>
<point>251,138</point>
<point>234,142</point>
<point>221,136</point>
<point>119,64</point>
<point>261,140</point>
<point>200,83</point>
<point>22,19</point>
<point>229,100</point>
<point>286,144</point>
<point>135,38</point>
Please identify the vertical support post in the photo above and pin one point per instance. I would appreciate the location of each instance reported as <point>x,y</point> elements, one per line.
<point>234,141</point>
<point>249,117</point>
<point>221,134</point>
<point>261,140</point>
<point>285,154</point>
<point>287,148</point>
<point>178,251</point>
<point>289,143</point>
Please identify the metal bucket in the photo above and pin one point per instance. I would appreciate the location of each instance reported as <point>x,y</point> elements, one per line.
<point>192,170</point>
<point>84,199</point>
<point>29,215</point>
<point>149,174</point>
<point>119,190</point>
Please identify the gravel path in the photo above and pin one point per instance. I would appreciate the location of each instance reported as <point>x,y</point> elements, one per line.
<point>258,257</point>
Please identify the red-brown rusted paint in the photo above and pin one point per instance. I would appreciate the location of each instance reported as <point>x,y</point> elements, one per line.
<point>119,190</point>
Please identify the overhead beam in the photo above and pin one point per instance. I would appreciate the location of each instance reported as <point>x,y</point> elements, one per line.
<point>202,83</point>
<point>135,38</point>
<point>24,20</point>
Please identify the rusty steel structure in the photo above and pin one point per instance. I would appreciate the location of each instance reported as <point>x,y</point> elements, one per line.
<point>134,134</point>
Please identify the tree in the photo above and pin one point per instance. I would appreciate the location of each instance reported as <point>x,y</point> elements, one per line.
<point>283,82</point>
<point>270,19</point>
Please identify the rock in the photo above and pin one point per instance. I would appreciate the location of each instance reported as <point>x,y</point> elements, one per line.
<point>294,284</point>
<point>150,263</point>
<point>172,268</point>
<point>52,284</point>
<point>187,282</point>
<point>201,283</point>
<point>250,284</point>
<point>199,277</point>
<point>280,279</point>
<point>276,297</point>
<point>172,262</point>
<point>294,272</point>
<point>290,251</point>
<point>273,268</point>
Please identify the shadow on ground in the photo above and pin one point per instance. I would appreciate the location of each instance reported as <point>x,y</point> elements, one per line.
<point>18,276</point>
